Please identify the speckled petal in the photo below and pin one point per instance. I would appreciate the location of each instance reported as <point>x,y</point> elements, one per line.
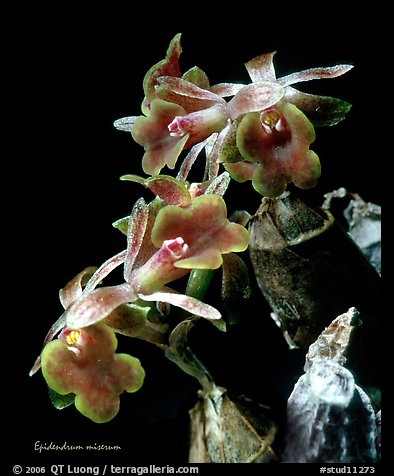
<point>167,67</point>
<point>261,68</point>
<point>315,73</point>
<point>96,305</point>
<point>193,305</point>
<point>255,97</point>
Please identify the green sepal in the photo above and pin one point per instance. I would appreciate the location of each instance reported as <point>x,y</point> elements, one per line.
<point>122,224</point>
<point>60,401</point>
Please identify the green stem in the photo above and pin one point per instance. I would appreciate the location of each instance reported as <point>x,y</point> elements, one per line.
<point>198,284</point>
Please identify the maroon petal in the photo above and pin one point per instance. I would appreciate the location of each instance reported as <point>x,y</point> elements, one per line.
<point>167,67</point>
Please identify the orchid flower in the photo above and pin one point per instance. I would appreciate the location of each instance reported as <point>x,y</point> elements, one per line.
<point>84,363</point>
<point>270,145</point>
<point>320,110</point>
<point>178,112</point>
<point>275,146</point>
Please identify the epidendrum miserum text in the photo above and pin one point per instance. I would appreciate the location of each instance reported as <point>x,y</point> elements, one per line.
<point>40,446</point>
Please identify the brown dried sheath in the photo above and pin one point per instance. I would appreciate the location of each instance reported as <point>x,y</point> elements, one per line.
<point>310,271</point>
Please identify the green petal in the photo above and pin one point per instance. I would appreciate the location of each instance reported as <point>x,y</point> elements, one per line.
<point>198,283</point>
<point>197,76</point>
<point>165,154</point>
<point>241,171</point>
<point>307,173</point>
<point>250,140</point>
<point>128,319</point>
<point>205,259</point>
<point>267,182</point>
<point>60,401</point>
<point>53,368</point>
<point>321,110</point>
<point>122,224</point>
<point>229,152</point>
<point>151,130</point>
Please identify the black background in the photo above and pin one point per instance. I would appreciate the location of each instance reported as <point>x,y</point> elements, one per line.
<point>72,79</point>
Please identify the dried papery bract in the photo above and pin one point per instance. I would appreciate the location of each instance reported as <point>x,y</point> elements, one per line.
<point>309,270</point>
<point>330,419</point>
<point>225,431</point>
<point>364,221</point>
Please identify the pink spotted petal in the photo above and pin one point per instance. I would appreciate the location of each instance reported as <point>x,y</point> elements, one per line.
<point>255,97</point>
<point>169,189</point>
<point>104,270</point>
<point>73,289</point>
<point>261,68</point>
<point>96,305</point>
<point>160,269</point>
<point>219,185</point>
<point>226,89</point>
<point>167,67</point>
<point>189,160</point>
<point>193,305</point>
<point>199,125</point>
<point>185,88</point>
<point>135,235</point>
<point>315,73</point>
